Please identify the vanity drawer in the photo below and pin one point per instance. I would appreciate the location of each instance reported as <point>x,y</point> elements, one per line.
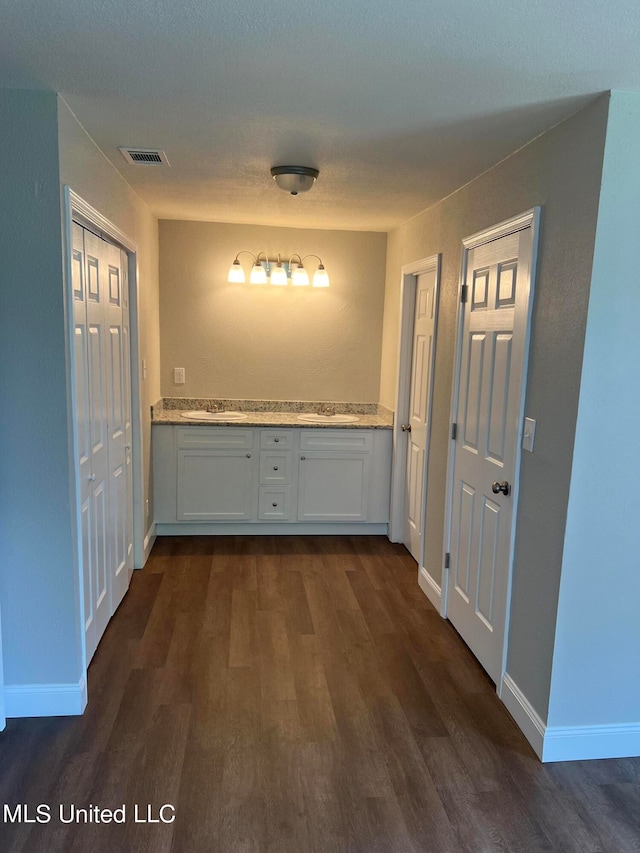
<point>274,503</point>
<point>275,467</point>
<point>276,439</point>
<point>354,440</point>
<point>215,438</point>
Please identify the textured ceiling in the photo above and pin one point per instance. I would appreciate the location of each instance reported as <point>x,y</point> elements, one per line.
<point>397,104</point>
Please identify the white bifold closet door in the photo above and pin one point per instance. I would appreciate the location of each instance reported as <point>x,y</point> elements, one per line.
<point>101,363</point>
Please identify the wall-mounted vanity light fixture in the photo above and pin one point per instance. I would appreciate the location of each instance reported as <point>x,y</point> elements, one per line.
<point>278,273</point>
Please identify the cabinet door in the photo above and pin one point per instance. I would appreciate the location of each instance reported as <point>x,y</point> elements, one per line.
<point>215,485</point>
<point>333,486</point>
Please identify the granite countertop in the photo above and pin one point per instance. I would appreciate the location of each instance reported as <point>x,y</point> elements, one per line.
<point>270,413</point>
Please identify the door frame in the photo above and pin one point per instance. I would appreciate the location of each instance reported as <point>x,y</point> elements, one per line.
<point>408,285</point>
<point>530,218</point>
<point>77,209</point>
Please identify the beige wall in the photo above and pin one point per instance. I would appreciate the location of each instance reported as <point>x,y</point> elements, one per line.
<point>561,172</point>
<point>87,171</point>
<point>250,342</point>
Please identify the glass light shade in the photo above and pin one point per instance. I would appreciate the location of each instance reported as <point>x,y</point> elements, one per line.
<point>258,274</point>
<point>300,277</point>
<point>279,275</point>
<point>294,179</point>
<point>236,273</point>
<point>321,277</point>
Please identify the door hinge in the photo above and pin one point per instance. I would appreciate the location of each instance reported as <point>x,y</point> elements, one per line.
<point>463,293</point>
<point>447,560</point>
<point>454,432</point>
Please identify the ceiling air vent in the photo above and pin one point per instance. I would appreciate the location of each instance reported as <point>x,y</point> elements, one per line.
<point>144,156</point>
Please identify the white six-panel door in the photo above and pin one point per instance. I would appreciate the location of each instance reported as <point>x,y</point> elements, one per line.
<point>494,331</point>
<point>103,427</point>
<point>419,411</point>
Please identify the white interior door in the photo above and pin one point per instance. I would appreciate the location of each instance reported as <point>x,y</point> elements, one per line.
<point>489,412</point>
<point>102,385</point>
<point>417,425</point>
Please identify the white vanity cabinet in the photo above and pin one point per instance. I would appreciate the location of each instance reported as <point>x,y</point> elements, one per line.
<point>214,479</point>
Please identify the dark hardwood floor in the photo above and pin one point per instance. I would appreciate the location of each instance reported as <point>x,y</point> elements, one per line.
<point>299,694</point>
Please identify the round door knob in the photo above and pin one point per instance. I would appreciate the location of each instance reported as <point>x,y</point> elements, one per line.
<point>503,487</point>
<point>406,427</point>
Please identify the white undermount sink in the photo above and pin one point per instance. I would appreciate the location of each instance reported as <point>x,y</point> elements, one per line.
<point>313,418</point>
<point>214,416</point>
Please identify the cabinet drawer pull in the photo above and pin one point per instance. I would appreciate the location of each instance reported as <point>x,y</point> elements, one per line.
<point>276,440</point>
<point>275,467</point>
<point>274,504</point>
<point>248,456</point>
<point>302,458</point>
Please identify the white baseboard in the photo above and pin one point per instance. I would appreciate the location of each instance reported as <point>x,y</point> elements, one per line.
<point>45,700</point>
<point>430,588</point>
<point>241,528</point>
<point>525,715</point>
<point>569,743</point>
<point>579,743</point>
<point>149,540</point>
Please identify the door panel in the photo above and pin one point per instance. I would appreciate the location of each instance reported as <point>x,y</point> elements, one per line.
<point>462,567</point>
<point>489,527</point>
<point>333,486</point>
<point>98,412</point>
<point>116,402</point>
<point>500,370</point>
<point>474,377</point>
<point>83,424</point>
<point>100,580</point>
<point>215,485</point>
<point>415,474</point>
<point>494,328</point>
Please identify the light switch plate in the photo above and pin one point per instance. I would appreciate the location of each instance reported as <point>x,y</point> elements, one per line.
<point>528,434</point>
<point>178,376</point>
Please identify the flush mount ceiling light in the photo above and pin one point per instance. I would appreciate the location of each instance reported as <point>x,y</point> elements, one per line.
<point>277,272</point>
<point>294,179</point>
